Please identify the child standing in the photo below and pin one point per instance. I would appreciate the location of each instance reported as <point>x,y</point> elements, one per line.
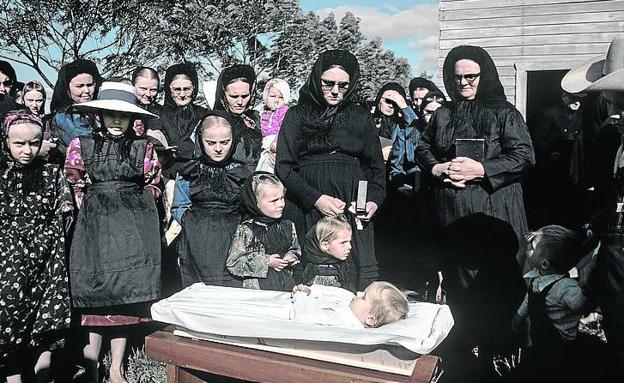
<point>115,252</point>
<point>264,248</point>
<point>206,203</point>
<point>327,247</point>
<point>35,210</point>
<point>276,96</point>
<point>554,302</point>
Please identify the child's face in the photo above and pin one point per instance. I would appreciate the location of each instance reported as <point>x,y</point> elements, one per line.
<point>340,246</point>
<point>116,123</point>
<point>33,100</point>
<point>271,200</point>
<point>535,255</point>
<point>217,142</point>
<point>362,304</point>
<point>24,142</point>
<point>274,99</point>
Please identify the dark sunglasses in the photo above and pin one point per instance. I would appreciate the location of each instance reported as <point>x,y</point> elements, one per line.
<point>329,85</point>
<point>6,83</point>
<point>470,77</point>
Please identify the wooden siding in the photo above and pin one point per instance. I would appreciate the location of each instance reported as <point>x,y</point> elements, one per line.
<point>526,35</point>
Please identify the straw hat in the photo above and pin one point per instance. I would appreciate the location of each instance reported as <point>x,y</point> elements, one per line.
<point>598,73</point>
<point>117,97</point>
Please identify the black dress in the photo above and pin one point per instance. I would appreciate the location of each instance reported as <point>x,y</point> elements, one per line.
<point>212,192</point>
<point>332,162</point>
<point>34,286</point>
<point>115,253</point>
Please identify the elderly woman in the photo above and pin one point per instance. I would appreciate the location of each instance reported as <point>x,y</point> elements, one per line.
<point>487,180</point>
<point>326,145</point>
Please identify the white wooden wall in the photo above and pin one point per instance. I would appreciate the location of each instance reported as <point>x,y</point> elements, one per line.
<point>527,35</point>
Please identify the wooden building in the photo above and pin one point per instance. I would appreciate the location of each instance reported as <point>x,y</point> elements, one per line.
<point>532,42</point>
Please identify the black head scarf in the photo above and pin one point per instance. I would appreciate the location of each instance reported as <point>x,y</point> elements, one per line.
<point>318,124</point>
<point>431,96</point>
<point>387,123</point>
<point>31,174</point>
<point>421,82</point>
<point>249,202</point>
<point>240,71</point>
<point>61,98</point>
<point>471,118</point>
<point>200,153</point>
<point>174,70</point>
<point>8,70</point>
<point>315,256</point>
<point>490,91</point>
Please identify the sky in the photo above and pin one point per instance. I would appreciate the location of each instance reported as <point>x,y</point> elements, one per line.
<point>407,27</point>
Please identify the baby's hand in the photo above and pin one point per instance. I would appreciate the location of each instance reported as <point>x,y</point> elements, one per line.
<point>277,263</point>
<point>301,287</point>
<point>291,258</point>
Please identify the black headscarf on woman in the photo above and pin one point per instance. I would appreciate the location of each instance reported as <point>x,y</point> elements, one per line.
<point>472,118</point>
<point>315,256</point>
<point>421,82</point>
<point>61,98</point>
<point>202,172</point>
<point>318,125</point>
<point>186,69</point>
<point>387,123</point>
<point>245,123</point>
<point>7,69</point>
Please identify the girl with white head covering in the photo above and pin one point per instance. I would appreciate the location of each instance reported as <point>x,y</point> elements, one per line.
<point>115,252</point>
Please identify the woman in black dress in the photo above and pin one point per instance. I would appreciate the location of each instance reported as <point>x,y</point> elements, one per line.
<point>489,183</point>
<point>326,145</point>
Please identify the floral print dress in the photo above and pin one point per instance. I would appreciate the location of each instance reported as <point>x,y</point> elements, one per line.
<point>34,287</point>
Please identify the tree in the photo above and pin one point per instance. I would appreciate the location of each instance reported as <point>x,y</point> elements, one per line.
<point>349,36</point>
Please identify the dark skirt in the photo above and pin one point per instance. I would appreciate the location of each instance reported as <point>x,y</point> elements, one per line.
<point>337,175</point>
<point>203,247</point>
<point>115,253</point>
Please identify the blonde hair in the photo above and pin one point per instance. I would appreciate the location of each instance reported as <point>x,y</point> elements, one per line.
<point>327,228</point>
<point>264,178</point>
<point>213,121</point>
<point>390,305</point>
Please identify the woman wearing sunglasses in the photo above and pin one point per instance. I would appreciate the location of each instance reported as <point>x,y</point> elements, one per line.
<point>481,175</point>
<point>326,145</point>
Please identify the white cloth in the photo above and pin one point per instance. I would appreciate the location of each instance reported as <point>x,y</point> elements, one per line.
<point>326,305</point>
<point>263,162</point>
<point>265,314</point>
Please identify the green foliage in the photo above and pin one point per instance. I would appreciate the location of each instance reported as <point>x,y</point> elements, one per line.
<point>274,36</point>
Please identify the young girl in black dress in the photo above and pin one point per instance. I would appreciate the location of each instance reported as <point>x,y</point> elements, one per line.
<point>206,203</point>
<point>115,252</point>
<point>264,247</point>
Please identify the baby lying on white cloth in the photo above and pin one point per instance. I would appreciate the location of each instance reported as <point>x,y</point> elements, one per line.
<point>272,314</point>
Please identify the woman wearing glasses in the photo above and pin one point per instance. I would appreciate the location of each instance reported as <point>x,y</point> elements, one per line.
<point>326,145</point>
<point>178,117</point>
<point>482,175</point>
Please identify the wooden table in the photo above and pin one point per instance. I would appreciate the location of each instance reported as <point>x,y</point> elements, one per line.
<point>188,359</point>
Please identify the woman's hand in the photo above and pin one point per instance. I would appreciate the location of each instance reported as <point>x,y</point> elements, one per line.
<point>277,263</point>
<point>439,170</point>
<point>329,206</point>
<point>46,146</point>
<point>396,97</point>
<point>462,170</point>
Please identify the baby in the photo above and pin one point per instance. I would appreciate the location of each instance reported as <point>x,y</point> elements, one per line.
<point>379,304</point>
<point>327,248</point>
<point>276,96</point>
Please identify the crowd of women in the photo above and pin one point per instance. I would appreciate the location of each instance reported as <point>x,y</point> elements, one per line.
<point>100,195</point>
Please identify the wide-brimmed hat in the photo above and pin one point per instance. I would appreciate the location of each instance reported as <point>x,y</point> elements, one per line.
<point>598,73</point>
<point>115,96</point>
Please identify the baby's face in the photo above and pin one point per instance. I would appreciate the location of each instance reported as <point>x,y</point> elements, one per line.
<point>339,247</point>
<point>362,304</point>
<point>274,99</point>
